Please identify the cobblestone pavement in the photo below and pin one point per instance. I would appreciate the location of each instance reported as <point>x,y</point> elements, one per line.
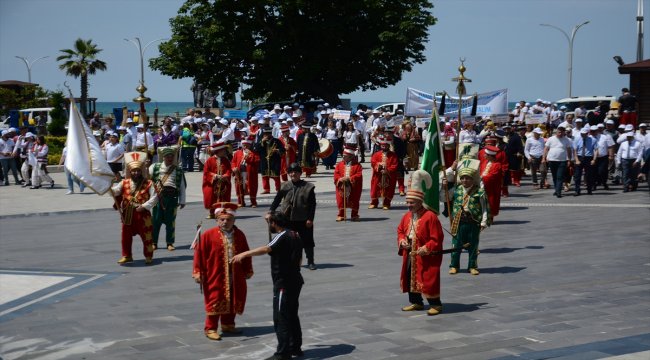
<point>560,279</point>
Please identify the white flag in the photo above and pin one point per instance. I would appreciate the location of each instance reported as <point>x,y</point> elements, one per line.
<point>84,158</point>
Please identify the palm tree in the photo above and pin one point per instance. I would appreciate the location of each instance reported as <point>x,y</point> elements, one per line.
<point>81,62</point>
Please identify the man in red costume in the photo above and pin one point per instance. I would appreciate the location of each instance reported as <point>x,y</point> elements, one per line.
<point>419,242</point>
<point>384,175</point>
<point>136,197</point>
<point>290,148</point>
<point>216,178</point>
<point>245,166</point>
<point>492,177</point>
<point>223,283</point>
<point>348,179</point>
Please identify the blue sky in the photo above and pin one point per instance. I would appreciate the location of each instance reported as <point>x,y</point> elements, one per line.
<point>501,40</point>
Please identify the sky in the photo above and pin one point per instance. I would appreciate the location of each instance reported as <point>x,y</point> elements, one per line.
<point>501,41</point>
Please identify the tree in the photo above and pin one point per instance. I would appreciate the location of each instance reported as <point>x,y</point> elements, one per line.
<point>81,62</point>
<point>295,48</point>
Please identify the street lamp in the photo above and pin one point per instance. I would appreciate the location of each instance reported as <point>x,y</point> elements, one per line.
<point>141,88</point>
<point>29,66</point>
<point>570,40</point>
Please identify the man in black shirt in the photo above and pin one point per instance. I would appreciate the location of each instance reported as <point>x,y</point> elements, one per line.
<point>627,108</point>
<point>285,250</point>
<point>297,200</point>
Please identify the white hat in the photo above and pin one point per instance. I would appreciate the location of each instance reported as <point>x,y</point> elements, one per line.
<point>643,125</point>
<point>129,120</point>
<point>628,134</point>
<point>5,132</point>
<point>223,122</point>
<point>585,130</point>
<point>609,122</point>
<point>599,126</point>
<point>254,118</point>
<point>562,107</point>
<point>578,120</point>
<point>266,116</point>
<point>13,129</point>
<point>136,113</point>
<point>277,107</point>
<point>629,127</point>
<point>30,134</point>
<point>538,131</point>
<point>287,107</point>
<point>539,100</point>
<point>326,104</point>
<point>140,126</point>
<point>621,126</point>
<point>527,104</point>
<point>518,105</point>
<point>294,116</point>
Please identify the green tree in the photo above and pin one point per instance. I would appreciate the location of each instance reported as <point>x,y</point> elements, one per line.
<point>81,62</point>
<point>295,48</point>
<point>57,126</point>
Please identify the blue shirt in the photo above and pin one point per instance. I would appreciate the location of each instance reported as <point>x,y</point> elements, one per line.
<point>584,146</point>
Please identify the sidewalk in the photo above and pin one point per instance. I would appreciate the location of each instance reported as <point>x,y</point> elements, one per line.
<point>18,201</point>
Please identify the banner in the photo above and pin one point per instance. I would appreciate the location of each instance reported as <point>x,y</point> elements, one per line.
<point>432,162</point>
<point>493,102</point>
<point>342,114</point>
<point>534,119</point>
<point>420,104</point>
<point>84,158</point>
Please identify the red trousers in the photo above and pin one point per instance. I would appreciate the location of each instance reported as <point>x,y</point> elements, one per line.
<point>267,187</point>
<point>140,225</point>
<point>628,118</point>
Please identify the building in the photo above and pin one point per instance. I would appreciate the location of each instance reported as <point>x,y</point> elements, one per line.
<point>639,86</point>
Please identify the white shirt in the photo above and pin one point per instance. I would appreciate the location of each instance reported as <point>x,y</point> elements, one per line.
<point>330,134</point>
<point>603,143</point>
<point>113,152</point>
<point>630,151</point>
<point>534,147</point>
<point>6,149</point>
<point>140,140</point>
<point>351,137</point>
<point>559,148</point>
<point>467,137</point>
<point>227,135</point>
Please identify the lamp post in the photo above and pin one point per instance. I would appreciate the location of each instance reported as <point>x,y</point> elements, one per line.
<point>570,40</point>
<point>29,65</point>
<point>141,88</point>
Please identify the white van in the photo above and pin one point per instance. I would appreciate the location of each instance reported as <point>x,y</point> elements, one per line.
<point>590,102</point>
<point>390,107</point>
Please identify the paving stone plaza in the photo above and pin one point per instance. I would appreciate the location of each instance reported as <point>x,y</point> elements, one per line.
<point>560,279</point>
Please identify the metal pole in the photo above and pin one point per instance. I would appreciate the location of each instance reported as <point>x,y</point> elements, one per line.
<point>29,65</point>
<point>570,40</point>
<point>639,20</point>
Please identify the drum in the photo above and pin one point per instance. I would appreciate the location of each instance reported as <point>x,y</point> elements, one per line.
<point>326,148</point>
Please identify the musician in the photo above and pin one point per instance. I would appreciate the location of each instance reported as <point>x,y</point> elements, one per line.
<point>223,283</point>
<point>348,179</point>
<point>308,149</point>
<point>410,136</point>
<point>492,179</point>
<point>502,157</point>
<point>399,148</point>
<point>135,197</point>
<point>216,178</point>
<point>169,180</point>
<point>418,235</point>
<point>470,213</point>
<point>290,149</point>
<point>245,165</point>
<point>384,175</point>
<point>270,151</point>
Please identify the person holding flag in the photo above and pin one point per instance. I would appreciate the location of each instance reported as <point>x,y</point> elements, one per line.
<point>222,281</point>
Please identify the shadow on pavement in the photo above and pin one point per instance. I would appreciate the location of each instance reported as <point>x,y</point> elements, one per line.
<point>373,219</point>
<point>175,258</point>
<point>505,250</point>
<point>328,351</point>
<point>519,195</point>
<point>331,266</point>
<point>501,270</point>
<point>513,208</point>
<point>510,222</point>
<point>251,331</point>
<point>453,308</point>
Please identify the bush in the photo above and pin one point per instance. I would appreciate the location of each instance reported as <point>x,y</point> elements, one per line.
<point>57,126</point>
<point>55,145</point>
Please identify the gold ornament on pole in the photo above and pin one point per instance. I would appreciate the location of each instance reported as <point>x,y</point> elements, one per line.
<point>460,89</point>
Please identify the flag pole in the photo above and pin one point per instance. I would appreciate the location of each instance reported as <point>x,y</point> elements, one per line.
<point>436,118</point>
<point>460,89</point>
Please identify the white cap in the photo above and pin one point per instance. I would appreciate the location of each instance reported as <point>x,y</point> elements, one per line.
<point>140,126</point>
<point>578,120</point>
<point>527,104</point>
<point>13,129</point>
<point>518,105</point>
<point>643,125</point>
<point>599,126</point>
<point>136,113</point>
<point>287,107</point>
<point>5,132</point>
<point>129,120</point>
<point>609,122</point>
<point>621,126</point>
<point>562,107</point>
<point>538,131</point>
<point>223,122</point>
<point>30,134</point>
<point>585,130</point>
<point>628,134</point>
<point>539,100</point>
<point>629,127</point>
<point>277,107</point>
<point>326,104</point>
<point>254,118</point>
<point>294,116</point>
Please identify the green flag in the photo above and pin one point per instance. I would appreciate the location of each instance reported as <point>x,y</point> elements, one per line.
<point>432,162</point>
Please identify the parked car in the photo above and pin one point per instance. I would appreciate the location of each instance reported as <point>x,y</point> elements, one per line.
<point>391,107</point>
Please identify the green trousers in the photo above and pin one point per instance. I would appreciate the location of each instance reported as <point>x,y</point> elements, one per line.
<point>166,216</point>
<point>467,233</point>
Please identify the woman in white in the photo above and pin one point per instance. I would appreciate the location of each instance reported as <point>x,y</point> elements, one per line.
<point>114,155</point>
<point>39,163</point>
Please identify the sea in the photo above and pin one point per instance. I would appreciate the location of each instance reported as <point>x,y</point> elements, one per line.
<point>179,108</point>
